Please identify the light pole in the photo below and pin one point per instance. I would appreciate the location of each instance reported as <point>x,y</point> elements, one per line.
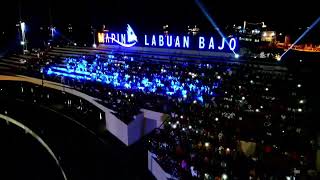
<point>94,38</point>
<point>23,36</point>
<point>52,31</point>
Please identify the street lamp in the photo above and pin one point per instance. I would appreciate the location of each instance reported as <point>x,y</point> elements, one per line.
<point>23,26</point>
<point>94,45</point>
<point>23,36</point>
<point>52,29</point>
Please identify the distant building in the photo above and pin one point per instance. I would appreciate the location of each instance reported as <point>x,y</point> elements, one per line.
<point>287,40</point>
<point>256,39</point>
<point>193,30</point>
<point>104,29</point>
<point>268,36</point>
<point>165,29</point>
<point>253,32</point>
<point>69,28</point>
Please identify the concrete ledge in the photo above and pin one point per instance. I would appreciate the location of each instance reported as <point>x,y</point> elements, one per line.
<point>158,117</point>
<point>142,124</point>
<point>156,170</point>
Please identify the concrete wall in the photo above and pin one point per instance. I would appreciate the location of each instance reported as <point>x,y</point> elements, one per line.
<point>156,170</point>
<point>136,129</point>
<point>142,124</point>
<point>158,117</point>
<point>117,127</point>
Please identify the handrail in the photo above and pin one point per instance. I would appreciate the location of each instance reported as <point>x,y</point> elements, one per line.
<point>37,137</point>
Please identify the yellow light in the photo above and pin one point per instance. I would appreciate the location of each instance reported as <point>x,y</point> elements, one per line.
<point>206,144</point>
<point>101,37</point>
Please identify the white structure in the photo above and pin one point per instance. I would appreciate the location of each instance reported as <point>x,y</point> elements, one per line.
<point>156,170</point>
<point>142,124</point>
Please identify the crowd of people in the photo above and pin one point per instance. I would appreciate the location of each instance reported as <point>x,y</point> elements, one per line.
<point>182,81</point>
<point>226,120</point>
<point>256,127</point>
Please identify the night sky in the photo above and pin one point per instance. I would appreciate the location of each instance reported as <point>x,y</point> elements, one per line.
<point>152,14</point>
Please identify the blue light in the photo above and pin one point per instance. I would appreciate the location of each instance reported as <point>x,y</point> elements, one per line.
<point>127,85</point>
<point>184,93</point>
<point>210,19</point>
<point>153,42</point>
<point>222,44</point>
<point>107,38</point>
<point>200,98</point>
<point>169,41</point>
<point>161,40</point>
<point>186,41</point>
<point>169,93</point>
<point>116,83</point>
<point>115,74</point>
<point>113,37</point>
<point>300,37</point>
<point>232,44</point>
<point>146,40</point>
<point>123,38</point>
<point>49,71</point>
<point>177,43</point>
<point>131,35</point>
<point>131,38</point>
<point>201,42</point>
<point>52,32</point>
<point>120,78</point>
<point>127,76</point>
<point>211,44</point>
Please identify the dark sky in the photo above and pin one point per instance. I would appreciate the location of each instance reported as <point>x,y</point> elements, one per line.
<point>150,14</point>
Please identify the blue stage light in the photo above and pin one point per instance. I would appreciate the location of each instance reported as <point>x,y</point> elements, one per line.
<point>118,76</point>
<point>210,19</point>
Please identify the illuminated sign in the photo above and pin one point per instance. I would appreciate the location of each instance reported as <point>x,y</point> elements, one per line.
<point>168,41</point>
<point>126,40</point>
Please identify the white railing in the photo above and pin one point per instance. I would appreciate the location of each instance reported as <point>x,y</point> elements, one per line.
<point>141,125</point>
